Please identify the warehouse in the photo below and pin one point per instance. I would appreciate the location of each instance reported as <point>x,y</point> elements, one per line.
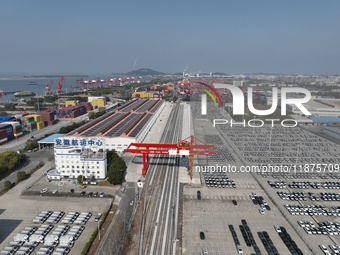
<point>117,129</point>
<point>83,151</point>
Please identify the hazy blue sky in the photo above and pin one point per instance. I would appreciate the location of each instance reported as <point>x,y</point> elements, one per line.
<point>238,36</point>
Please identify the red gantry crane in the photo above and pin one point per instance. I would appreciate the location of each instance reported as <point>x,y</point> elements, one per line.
<point>81,83</point>
<point>188,147</point>
<point>60,85</point>
<point>48,87</point>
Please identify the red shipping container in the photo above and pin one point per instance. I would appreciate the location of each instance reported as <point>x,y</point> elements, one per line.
<point>3,134</point>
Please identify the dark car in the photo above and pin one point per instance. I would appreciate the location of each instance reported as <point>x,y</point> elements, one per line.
<point>82,193</point>
<point>72,190</point>
<point>90,194</point>
<point>199,197</point>
<point>202,235</point>
<point>234,202</point>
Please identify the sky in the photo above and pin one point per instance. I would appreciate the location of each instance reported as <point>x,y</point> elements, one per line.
<point>240,36</point>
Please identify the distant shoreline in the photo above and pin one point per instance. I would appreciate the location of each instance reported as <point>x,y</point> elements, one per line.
<point>39,77</point>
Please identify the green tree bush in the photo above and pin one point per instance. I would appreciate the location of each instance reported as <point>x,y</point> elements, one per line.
<point>21,175</point>
<point>7,185</point>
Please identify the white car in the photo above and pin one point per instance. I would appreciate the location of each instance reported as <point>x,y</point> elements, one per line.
<point>324,249</point>
<point>278,229</point>
<point>43,190</point>
<point>239,249</point>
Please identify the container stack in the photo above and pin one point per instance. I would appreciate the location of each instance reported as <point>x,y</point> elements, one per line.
<point>88,107</point>
<point>3,135</point>
<point>9,131</point>
<point>28,123</point>
<point>38,120</point>
<point>16,129</point>
<point>47,117</point>
<point>73,111</point>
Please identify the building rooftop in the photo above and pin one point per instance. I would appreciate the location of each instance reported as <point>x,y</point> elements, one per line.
<point>126,121</point>
<point>51,138</point>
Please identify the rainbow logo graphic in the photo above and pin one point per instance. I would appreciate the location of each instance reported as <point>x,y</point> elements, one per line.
<point>212,93</point>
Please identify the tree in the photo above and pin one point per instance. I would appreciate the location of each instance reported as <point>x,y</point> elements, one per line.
<point>31,144</point>
<point>92,115</point>
<point>9,160</point>
<point>7,185</point>
<point>81,178</point>
<point>117,167</point>
<point>21,175</point>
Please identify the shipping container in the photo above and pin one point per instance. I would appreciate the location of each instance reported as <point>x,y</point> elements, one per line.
<point>7,118</point>
<point>3,134</point>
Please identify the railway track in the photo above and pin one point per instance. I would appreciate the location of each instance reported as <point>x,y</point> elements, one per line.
<point>158,232</point>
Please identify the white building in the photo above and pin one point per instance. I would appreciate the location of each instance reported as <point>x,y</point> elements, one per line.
<point>70,162</point>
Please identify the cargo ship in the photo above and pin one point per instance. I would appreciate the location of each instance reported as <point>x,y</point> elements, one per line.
<point>24,94</point>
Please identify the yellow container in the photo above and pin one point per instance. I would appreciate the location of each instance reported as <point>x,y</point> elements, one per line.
<point>98,102</point>
<point>36,117</point>
<point>40,125</point>
<point>70,103</point>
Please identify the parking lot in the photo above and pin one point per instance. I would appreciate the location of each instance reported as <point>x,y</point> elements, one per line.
<point>18,213</point>
<point>216,211</point>
<point>304,185</point>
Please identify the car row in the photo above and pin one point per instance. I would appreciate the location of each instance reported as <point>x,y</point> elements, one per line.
<point>297,196</point>
<point>306,223</point>
<point>70,217</point>
<point>218,180</point>
<point>324,228</point>
<point>236,240</point>
<point>268,243</point>
<point>289,242</point>
<point>330,196</point>
<point>92,194</point>
<point>277,184</point>
<point>312,210</point>
<point>334,248</point>
<point>42,217</point>
<point>83,218</point>
<point>55,217</point>
<point>251,237</point>
<point>304,185</point>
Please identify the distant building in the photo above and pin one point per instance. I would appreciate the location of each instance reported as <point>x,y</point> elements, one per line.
<point>238,83</point>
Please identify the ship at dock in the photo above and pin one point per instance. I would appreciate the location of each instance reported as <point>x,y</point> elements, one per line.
<point>24,94</point>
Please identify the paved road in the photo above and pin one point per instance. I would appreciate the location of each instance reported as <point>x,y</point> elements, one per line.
<point>115,237</point>
<point>33,160</point>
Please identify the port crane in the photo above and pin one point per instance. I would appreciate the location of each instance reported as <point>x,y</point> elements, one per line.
<point>48,87</point>
<point>190,147</point>
<point>81,83</point>
<point>60,85</point>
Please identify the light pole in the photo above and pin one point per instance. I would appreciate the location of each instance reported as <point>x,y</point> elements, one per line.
<point>38,103</point>
<point>98,228</point>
